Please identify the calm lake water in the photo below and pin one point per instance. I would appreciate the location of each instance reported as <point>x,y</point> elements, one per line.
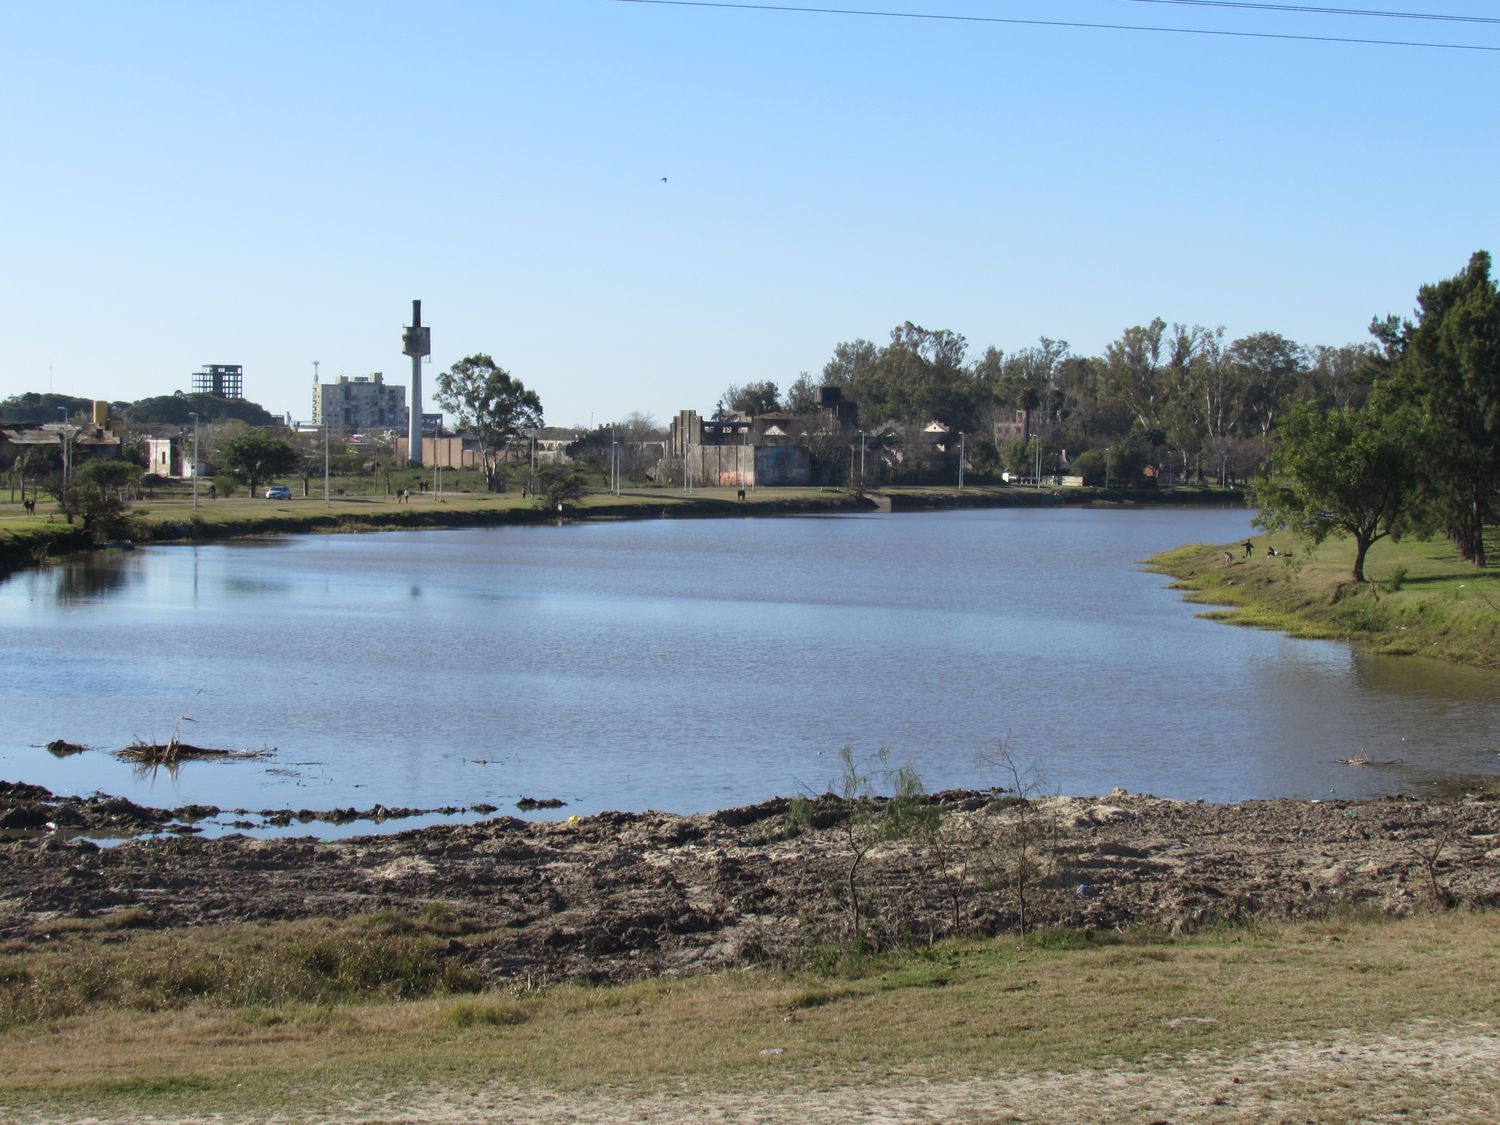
<point>689,665</point>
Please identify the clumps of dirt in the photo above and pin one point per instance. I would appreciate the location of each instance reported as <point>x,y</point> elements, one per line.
<point>31,808</point>
<point>377,814</point>
<point>625,895</point>
<point>26,810</point>
<point>531,804</point>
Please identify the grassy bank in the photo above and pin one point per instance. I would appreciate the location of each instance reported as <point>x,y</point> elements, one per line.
<point>171,516</point>
<point>1422,598</point>
<point>997,1011</point>
<point>174,518</point>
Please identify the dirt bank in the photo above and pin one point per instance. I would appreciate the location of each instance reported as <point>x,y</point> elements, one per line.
<point>620,895</point>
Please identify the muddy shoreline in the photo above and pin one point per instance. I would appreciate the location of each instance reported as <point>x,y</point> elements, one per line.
<point>623,895</point>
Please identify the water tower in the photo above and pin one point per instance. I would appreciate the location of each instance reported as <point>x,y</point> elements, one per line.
<point>416,342</point>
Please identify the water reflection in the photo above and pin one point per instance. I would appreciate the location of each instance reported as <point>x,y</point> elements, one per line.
<point>245,586</point>
<point>90,577</point>
<point>1421,678</point>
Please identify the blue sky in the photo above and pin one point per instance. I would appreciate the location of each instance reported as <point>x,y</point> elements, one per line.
<point>272,183</point>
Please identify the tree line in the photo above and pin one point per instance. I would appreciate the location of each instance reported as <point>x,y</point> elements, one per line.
<point>39,409</point>
<point>1395,435</point>
<point>1183,395</point>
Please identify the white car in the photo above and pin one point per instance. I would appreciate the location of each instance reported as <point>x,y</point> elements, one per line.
<point>279,492</point>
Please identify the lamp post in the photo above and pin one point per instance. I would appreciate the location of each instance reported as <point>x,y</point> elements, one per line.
<point>193,414</point>
<point>960,458</point>
<point>861,459</point>
<point>325,460</point>
<point>1106,466</point>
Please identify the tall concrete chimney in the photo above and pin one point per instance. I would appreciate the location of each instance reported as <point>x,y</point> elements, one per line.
<point>416,342</point>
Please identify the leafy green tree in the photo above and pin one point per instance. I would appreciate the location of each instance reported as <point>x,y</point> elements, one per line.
<point>802,396</point>
<point>752,399</point>
<point>1127,460</point>
<point>1269,368</point>
<point>490,404</point>
<point>1021,457</point>
<point>926,380</point>
<point>1340,377</point>
<point>1343,472</point>
<point>853,370</point>
<point>253,456</point>
<point>1213,399</point>
<point>1028,379</point>
<point>1135,372</point>
<point>27,466</point>
<point>559,484</point>
<point>1093,466</point>
<point>1452,368</point>
<point>95,495</point>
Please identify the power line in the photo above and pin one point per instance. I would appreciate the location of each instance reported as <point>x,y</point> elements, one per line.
<point>782,8</point>
<point>1310,10</point>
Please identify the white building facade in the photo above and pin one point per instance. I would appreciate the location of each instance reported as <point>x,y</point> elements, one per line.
<point>361,403</point>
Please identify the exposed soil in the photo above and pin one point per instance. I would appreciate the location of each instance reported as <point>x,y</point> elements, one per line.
<point>619,895</point>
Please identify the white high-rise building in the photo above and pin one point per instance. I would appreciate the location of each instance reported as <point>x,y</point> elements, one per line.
<point>360,403</point>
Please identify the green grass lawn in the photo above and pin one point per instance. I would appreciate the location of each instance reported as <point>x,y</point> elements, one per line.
<point>1421,597</point>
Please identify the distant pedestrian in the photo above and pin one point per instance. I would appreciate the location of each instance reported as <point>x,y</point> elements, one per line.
<point>213,492</point>
<point>29,505</point>
<point>1270,552</point>
<point>1228,558</point>
<point>1249,546</point>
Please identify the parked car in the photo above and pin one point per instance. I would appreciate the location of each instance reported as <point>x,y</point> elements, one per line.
<point>278,492</point>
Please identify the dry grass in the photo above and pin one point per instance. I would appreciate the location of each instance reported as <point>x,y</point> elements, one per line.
<point>957,1015</point>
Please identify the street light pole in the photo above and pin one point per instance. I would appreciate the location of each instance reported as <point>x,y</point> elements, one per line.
<point>325,459</point>
<point>960,458</point>
<point>194,415</point>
